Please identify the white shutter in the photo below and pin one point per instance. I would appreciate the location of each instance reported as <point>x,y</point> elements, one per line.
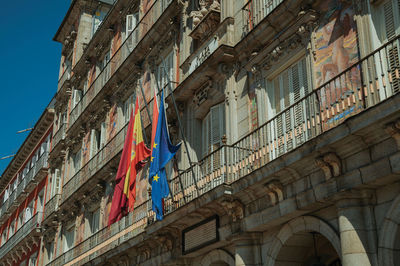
<point>103,134</point>
<point>131,22</point>
<point>76,97</point>
<point>93,143</point>
<point>389,20</point>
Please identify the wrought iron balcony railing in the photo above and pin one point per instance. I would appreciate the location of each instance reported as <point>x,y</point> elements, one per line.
<point>51,206</point>
<point>100,159</point>
<point>58,136</point>
<point>254,11</point>
<point>363,85</point>
<point>64,78</point>
<point>32,225</point>
<point>119,57</point>
<point>30,179</point>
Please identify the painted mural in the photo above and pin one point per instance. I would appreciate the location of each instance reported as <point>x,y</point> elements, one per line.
<point>112,125</point>
<point>146,19</point>
<point>86,148</point>
<point>336,49</point>
<point>116,43</point>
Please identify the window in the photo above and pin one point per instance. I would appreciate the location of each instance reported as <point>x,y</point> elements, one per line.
<point>283,91</point>
<point>386,19</point>
<point>6,194</point>
<point>129,105</point>
<point>33,259</point>
<point>69,235</point>
<point>168,64</point>
<point>213,128</point>
<point>105,67</point>
<point>49,250</point>
<point>20,220</point>
<point>131,23</point>
<point>39,207</point>
<point>55,185</point>
<point>94,220</point>
<point>12,229</point>
<point>98,18</point>
<point>29,211</point>
<point>103,134</point>
<point>4,237</point>
<point>76,97</point>
<point>94,142</point>
<point>76,162</point>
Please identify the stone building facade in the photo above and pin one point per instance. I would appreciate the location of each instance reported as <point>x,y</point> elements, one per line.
<point>288,112</point>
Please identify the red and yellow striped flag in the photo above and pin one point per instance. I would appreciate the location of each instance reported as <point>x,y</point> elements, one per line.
<point>132,160</point>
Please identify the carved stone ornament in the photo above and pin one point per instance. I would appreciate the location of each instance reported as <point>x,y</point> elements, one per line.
<point>275,191</point>
<point>201,95</point>
<point>330,164</point>
<point>207,25</point>
<point>393,129</point>
<point>234,208</point>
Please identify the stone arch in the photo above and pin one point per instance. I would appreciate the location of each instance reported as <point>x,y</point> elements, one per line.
<point>299,225</point>
<point>388,235</point>
<point>217,256</point>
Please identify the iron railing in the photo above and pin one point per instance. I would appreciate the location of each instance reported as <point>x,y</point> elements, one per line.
<point>119,57</point>
<point>254,11</point>
<point>26,182</point>
<point>101,158</point>
<point>132,224</point>
<point>26,229</point>
<point>370,81</point>
<point>59,135</point>
<point>51,206</point>
<point>64,77</point>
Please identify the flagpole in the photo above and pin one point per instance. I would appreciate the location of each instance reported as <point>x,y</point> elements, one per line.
<point>145,103</point>
<point>143,131</point>
<point>175,162</point>
<point>180,125</point>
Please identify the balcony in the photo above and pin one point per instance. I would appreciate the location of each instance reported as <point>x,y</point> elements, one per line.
<point>254,11</point>
<point>323,109</point>
<point>18,243</point>
<point>58,140</point>
<point>51,206</point>
<point>26,186</point>
<point>64,79</point>
<point>129,53</point>
<point>94,165</point>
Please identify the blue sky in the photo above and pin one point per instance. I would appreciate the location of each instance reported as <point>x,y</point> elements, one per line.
<point>28,66</point>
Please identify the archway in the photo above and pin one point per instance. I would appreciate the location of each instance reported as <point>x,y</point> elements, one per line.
<point>217,257</point>
<point>305,241</point>
<point>389,237</point>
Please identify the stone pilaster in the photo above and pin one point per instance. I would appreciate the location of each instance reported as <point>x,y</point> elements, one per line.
<point>357,228</point>
<point>247,249</point>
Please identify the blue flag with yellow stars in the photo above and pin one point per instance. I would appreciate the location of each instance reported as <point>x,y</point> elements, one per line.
<point>162,153</point>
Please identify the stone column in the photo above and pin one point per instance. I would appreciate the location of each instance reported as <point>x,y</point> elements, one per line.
<point>357,228</point>
<point>247,250</point>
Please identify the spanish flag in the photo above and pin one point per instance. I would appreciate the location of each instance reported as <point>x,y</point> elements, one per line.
<point>132,160</point>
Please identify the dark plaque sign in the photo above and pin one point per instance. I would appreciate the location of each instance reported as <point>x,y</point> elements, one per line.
<point>200,235</point>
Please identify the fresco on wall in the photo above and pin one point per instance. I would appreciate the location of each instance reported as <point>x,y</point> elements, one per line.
<point>146,19</point>
<point>112,125</point>
<point>116,43</point>
<point>86,148</point>
<point>336,49</point>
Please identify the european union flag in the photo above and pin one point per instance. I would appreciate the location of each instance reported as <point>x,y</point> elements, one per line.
<point>162,153</point>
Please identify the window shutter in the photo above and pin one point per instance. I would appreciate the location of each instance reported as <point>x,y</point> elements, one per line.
<point>389,20</point>
<point>103,134</point>
<point>57,181</point>
<point>93,143</point>
<point>131,22</point>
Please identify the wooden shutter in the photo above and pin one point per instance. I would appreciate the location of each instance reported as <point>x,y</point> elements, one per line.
<point>131,22</point>
<point>103,134</point>
<point>392,20</point>
<point>93,143</point>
